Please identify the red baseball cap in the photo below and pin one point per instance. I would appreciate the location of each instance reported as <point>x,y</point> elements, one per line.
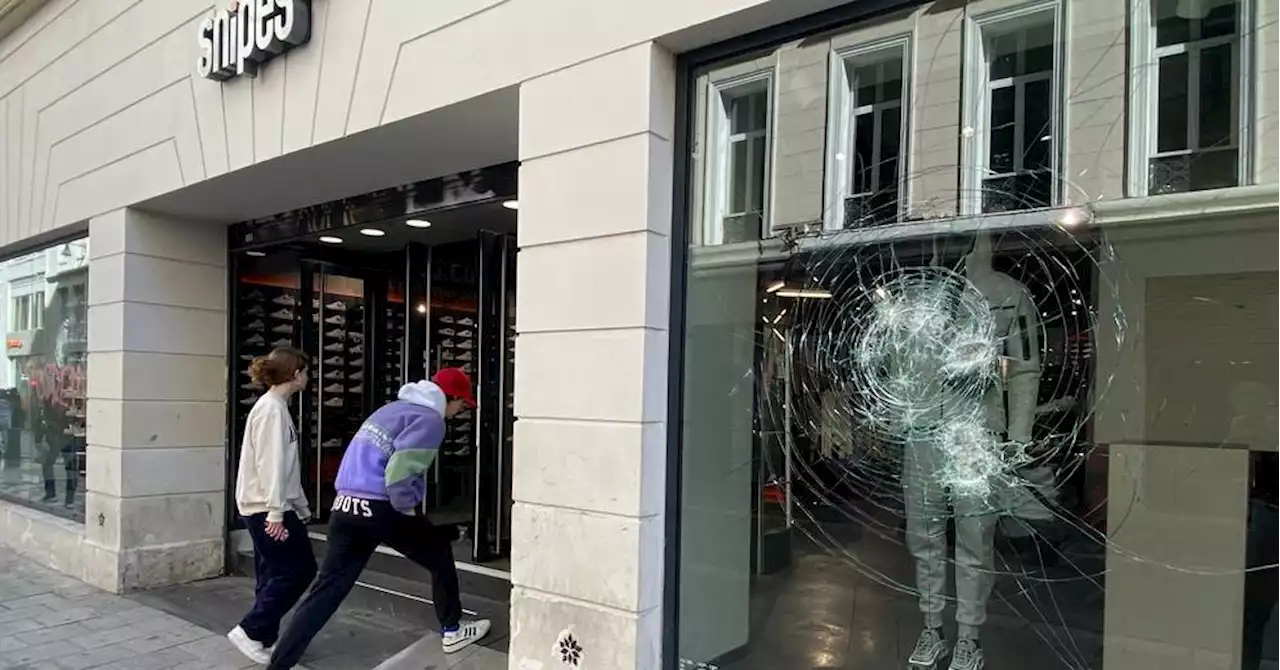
<point>456,384</point>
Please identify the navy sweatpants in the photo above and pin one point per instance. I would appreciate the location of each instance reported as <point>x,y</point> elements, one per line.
<point>283,569</point>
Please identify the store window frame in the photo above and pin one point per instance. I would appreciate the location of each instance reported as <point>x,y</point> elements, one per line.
<point>1144,93</point>
<point>979,87</point>
<point>689,66</point>
<point>843,108</point>
<point>76,467</point>
<point>720,142</point>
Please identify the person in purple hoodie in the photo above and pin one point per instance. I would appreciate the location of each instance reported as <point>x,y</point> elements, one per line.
<point>381,484</point>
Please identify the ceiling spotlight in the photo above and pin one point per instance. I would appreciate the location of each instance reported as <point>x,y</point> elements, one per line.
<point>255,254</point>
<point>418,223</point>
<point>372,232</point>
<point>422,308</point>
<point>330,239</point>
<point>511,204</point>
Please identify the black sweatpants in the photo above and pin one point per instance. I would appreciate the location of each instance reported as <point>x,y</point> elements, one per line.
<point>282,569</point>
<point>356,528</point>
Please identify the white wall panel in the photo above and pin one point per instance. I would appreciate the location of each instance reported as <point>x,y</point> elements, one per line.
<point>80,67</point>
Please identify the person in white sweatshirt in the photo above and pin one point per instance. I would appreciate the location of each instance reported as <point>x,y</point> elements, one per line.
<point>270,499</point>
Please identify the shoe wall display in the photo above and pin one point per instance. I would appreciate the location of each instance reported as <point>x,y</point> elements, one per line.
<point>266,320</point>
<point>391,374</point>
<point>454,336</point>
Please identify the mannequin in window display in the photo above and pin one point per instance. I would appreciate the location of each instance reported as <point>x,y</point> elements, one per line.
<point>1007,410</point>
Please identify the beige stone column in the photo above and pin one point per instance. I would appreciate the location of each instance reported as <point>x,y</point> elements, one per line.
<point>591,360</point>
<point>154,511</point>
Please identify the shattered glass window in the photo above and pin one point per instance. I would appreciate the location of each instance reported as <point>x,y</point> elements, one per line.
<point>1039,435</point>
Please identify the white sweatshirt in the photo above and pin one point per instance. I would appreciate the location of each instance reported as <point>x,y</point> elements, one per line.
<point>269,478</point>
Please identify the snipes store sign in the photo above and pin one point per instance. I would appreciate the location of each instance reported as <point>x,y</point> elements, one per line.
<point>235,41</point>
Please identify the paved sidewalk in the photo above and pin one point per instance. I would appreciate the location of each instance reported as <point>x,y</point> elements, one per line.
<point>52,622</point>
<point>49,621</point>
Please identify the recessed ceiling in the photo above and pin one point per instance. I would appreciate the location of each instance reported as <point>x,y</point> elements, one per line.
<point>476,133</point>
<point>453,225</point>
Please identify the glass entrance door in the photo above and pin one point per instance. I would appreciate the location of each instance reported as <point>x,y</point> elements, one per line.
<point>496,327</point>
<point>336,330</point>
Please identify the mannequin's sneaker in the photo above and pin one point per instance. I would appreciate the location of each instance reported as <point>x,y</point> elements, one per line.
<point>251,648</point>
<point>929,649</point>
<point>467,633</point>
<point>968,656</point>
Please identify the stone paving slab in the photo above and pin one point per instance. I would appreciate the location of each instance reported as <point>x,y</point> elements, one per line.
<point>52,622</point>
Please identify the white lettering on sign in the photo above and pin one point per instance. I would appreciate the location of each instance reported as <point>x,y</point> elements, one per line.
<point>236,41</point>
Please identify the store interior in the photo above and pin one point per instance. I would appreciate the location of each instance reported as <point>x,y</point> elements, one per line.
<point>825,575</point>
<point>380,303</point>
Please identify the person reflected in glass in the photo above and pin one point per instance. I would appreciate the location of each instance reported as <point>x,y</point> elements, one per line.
<point>271,501</point>
<point>58,442</point>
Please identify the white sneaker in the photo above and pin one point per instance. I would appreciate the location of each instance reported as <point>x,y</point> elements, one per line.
<point>929,649</point>
<point>467,633</point>
<point>968,656</point>
<point>252,649</point>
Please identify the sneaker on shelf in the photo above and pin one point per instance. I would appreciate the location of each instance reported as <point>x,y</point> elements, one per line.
<point>334,375</point>
<point>255,294</point>
<point>256,325</point>
<point>250,400</point>
<point>286,299</point>
<point>255,340</point>
<point>464,333</point>
<point>446,319</point>
<point>336,334</point>
<point>251,386</point>
<point>247,357</point>
<point>252,649</point>
<point>333,402</point>
<point>335,347</point>
<point>356,337</point>
<point>357,350</point>
<point>465,344</point>
<point>448,332</point>
<point>447,344</point>
<point>448,355</point>
<point>284,342</point>
<point>465,356</point>
<point>333,388</point>
<point>255,310</point>
<point>466,321</point>
<point>286,314</point>
<point>332,443</point>
<point>284,329</point>
<point>333,360</point>
<point>968,655</point>
<point>930,648</point>
<point>358,388</point>
<point>336,320</point>
<point>337,306</point>
<point>357,376</point>
<point>464,427</point>
<point>468,368</point>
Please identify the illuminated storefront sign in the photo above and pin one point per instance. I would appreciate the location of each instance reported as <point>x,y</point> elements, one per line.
<point>235,41</point>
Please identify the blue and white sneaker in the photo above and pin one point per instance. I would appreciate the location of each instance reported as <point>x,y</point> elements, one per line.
<point>467,633</point>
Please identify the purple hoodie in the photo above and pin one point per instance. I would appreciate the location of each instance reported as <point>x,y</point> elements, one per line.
<point>389,455</point>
